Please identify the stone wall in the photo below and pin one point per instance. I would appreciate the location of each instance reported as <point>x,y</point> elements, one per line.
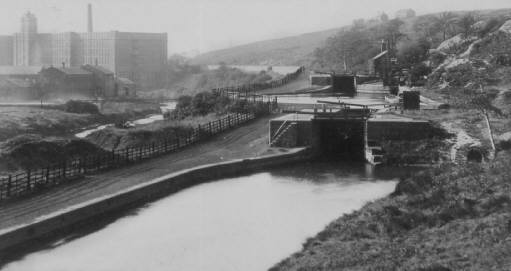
<point>398,130</point>
<point>298,136</point>
<point>160,187</point>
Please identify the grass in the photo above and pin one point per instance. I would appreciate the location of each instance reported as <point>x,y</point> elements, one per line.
<point>449,217</point>
<point>51,121</point>
<point>19,120</point>
<point>116,138</point>
<point>446,218</point>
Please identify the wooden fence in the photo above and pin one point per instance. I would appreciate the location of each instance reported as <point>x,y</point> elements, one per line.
<point>31,181</point>
<point>249,89</point>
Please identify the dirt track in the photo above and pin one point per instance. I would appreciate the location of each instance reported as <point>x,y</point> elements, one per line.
<point>246,141</point>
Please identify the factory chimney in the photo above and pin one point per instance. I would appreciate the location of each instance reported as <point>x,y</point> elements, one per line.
<point>89,18</point>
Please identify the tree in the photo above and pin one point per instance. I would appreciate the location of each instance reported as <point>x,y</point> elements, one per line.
<point>358,24</point>
<point>42,86</point>
<point>445,21</point>
<point>384,17</point>
<point>414,52</point>
<point>427,28</point>
<point>392,32</point>
<point>465,23</point>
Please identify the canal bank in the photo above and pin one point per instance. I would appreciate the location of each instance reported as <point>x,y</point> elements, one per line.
<point>139,194</point>
<point>247,222</point>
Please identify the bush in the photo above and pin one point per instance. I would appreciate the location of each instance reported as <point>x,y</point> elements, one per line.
<point>418,73</point>
<point>183,107</point>
<point>504,145</point>
<point>81,107</point>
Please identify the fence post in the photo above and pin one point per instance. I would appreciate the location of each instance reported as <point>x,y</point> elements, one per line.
<point>165,146</point>
<point>112,162</point>
<point>9,185</point>
<point>47,175</point>
<point>152,148</point>
<point>209,128</point>
<point>229,121</point>
<point>28,180</point>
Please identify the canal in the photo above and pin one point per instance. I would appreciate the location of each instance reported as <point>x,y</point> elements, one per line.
<point>244,223</point>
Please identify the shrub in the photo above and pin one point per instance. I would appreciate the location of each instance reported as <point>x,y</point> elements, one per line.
<point>81,107</point>
<point>203,103</point>
<point>183,107</point>
<point>418,72</point>
<point>504,145</point>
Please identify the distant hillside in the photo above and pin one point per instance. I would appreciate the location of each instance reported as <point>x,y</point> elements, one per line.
<point>295,50</point>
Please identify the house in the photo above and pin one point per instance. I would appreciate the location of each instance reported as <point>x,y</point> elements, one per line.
<point>68,81</point>
<point>125,87</point>
<point>103,81</point>
<point>13,89</point>
<point>378,64</point>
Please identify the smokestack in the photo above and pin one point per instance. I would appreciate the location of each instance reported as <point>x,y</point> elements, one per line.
<point>89,18</point>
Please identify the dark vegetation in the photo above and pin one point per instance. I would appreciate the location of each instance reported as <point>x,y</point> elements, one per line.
<point>190,111</point>
<point>185,78</point>
<point>411,41</point>
<point>81,107</point>
<point>118,138</point>
<point>208,102</point>
<point>449,217</point>
<point>31,151</point>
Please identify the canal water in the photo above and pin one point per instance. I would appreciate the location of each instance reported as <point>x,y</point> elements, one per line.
<point>244,223</point>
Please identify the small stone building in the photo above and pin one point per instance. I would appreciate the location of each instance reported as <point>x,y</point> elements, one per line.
<point>125,87</point>
<point>377,64</point>
<point>103,80</point>
<point>68,81</point>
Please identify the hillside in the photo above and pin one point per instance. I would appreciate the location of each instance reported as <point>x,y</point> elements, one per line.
<point>295,50</point>
<point>455,215</point>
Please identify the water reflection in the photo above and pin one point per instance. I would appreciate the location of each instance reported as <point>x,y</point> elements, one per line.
<point>244,223</point>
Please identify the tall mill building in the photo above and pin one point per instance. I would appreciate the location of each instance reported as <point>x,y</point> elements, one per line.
<point>140,57</point>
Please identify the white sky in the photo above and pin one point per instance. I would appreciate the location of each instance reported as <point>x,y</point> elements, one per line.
<point>201,25</point>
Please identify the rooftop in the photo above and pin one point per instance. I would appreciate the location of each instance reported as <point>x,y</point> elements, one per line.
<point>98,68</point>
<point>73,71</point>
<point>380,55</point>
<point>125,81</point>
<point>20,70</point>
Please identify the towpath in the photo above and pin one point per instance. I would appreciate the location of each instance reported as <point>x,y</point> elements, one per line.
<point>246,141</point>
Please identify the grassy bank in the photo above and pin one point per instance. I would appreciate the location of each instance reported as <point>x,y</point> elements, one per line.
<point>55,121</point>
<point>31,151</point>
<point>449,217</point>
<point>117,138</point>
<point>446,218</point>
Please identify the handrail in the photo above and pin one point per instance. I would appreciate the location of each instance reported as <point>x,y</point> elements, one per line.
<point>278,131</point>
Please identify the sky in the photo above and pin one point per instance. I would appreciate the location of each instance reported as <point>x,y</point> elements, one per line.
<point>195,26</point>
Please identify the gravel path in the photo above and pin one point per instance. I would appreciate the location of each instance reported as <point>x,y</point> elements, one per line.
<point>246,141</point>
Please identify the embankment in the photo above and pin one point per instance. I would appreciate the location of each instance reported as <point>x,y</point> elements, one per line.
<point>29,151</point>
<point>446,218</point>
<point>138,194</point>
<point>54,121</point>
